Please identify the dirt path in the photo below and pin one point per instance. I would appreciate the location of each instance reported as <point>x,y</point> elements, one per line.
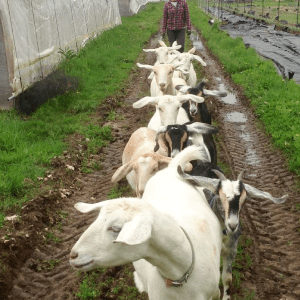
<point>274,229</point>
<point>40,270</point>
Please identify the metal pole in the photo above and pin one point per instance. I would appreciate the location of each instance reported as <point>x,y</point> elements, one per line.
<point>298,13</point>
<point>278,10</point>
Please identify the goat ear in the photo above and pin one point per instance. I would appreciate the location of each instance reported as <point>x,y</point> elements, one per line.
<point>202,128</point>
<point>214,93</point>
<point>177,47</point>
<point>177,64</point>
<point>136,231</point>
<point>209,183</point>
<point>162,44</point>
<point>183,71</point>
<point>149,50</point>
<point>148,67</point>
<point>122,172</point>
<point>87,207</point>
<point>182,88</point>
<point>187,97</point>
<point>144,101</point>
<point>200,60</point>
<point>192,51</point>
<point>253,192</point>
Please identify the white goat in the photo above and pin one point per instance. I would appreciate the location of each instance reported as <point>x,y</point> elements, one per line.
<point>186,59</point>
<point>168,109</point>
<point>163,82</point>
<point>227,204</point>
<point>140,162</point>
<point>172,237</point>
<point>162,54</point>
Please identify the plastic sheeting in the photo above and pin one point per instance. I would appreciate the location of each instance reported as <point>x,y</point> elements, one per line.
<point>281,47</point>
<point>135,5</point>
<point>35,31</point>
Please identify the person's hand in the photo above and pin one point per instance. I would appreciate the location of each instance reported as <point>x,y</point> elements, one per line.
<point>189,32</point>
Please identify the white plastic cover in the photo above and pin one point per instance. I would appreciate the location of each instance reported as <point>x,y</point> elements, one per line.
<point>136,4</point>
<point>35,31</point>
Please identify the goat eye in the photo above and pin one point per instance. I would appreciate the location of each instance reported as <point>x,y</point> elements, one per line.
<point>115,229</point>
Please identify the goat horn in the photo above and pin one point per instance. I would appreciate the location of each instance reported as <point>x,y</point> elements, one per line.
<point>219,174</point>
<point>209,183</point>
<point>240,177</point>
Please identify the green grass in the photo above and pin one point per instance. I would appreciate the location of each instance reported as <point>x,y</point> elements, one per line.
<point>104,284</point>
<point>276,101</point>
<point>27,144</point>
<point>119,191</point>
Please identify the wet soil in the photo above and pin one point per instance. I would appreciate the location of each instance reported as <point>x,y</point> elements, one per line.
<point>34,248</point>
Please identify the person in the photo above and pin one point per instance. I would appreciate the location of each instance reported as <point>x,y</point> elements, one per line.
<point>176,18</point>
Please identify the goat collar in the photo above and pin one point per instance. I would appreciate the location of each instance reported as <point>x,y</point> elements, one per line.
<point>187,274</point>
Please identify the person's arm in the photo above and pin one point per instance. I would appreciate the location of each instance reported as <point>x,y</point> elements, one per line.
<point>187,17</point>
<point>165,17</point>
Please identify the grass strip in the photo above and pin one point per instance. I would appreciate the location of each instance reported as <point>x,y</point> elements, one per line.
<point>27,144</point>
<point>275,100</point>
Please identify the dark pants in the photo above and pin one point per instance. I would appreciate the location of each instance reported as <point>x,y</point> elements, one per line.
<point>177,35</point>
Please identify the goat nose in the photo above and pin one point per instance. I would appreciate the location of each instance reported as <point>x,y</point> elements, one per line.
<point>232,227</point>
<point>73,255</point>
<point>162,84</point>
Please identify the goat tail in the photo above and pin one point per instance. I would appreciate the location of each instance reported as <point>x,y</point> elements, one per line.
<point>188,154</point>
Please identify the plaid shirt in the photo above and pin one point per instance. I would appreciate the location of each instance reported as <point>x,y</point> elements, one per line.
<point>176,18</point>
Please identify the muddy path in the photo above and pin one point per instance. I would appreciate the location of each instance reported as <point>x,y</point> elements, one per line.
<point>35,248</point>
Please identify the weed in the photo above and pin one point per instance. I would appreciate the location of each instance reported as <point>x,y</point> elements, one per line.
<point>50,236</point>
<point>117,192</point>
<point>88,288</point>
<point>48,265</point>
<point>3,268</point>
<point>68,53</point>
<point>63,214</point>
<point>112,115</point>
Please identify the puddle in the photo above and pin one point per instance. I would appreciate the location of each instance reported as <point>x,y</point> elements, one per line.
<point>246,137</point>
<point>252,158</point>
<point>230,98</point>
<point>236,117</point>
<point>196,42</point>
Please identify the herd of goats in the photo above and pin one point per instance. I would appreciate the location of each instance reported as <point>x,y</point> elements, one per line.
<point>185,218</point>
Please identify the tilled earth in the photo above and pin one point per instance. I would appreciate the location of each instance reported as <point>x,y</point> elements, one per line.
<point>34,249</point>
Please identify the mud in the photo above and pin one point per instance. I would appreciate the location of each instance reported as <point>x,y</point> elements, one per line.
<point>283,48</point>
<point>49,226</point>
